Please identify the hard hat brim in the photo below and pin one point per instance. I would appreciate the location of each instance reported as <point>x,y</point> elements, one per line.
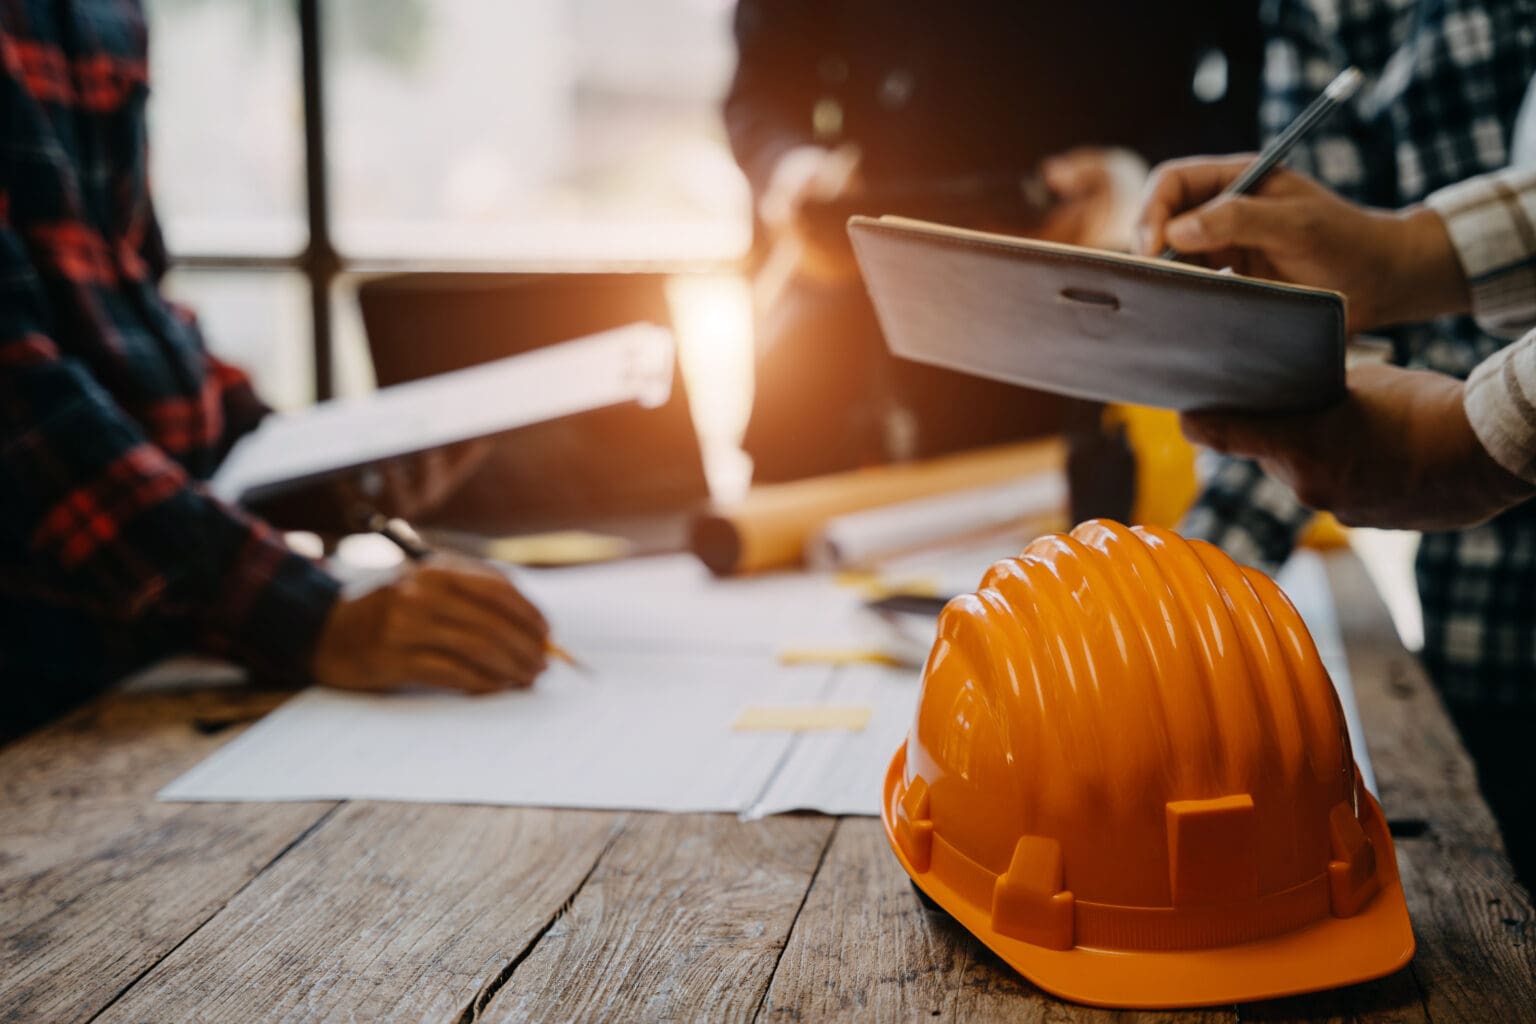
<point>1327,954</point>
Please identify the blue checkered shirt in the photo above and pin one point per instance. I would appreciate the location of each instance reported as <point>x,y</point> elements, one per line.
<point>1449,119</point>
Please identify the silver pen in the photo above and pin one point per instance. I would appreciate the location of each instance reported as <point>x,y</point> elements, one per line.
<point>1345,85</point>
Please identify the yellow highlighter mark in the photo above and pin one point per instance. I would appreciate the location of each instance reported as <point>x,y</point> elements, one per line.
<point>564,547</point>
<point>804,718</point>
<point>840,656</point>
<point>872,586</point>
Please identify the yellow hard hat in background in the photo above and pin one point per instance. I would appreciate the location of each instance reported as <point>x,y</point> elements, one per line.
<point>1129,776</point>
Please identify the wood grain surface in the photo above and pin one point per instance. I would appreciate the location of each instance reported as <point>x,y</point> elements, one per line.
<point>97,880</point>
<point>683,920</point>
<point>114,907</point>
<point>391,911</point>
<point>1476,958</point>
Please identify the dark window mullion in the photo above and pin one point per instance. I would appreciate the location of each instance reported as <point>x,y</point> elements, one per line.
<point>319,257</point>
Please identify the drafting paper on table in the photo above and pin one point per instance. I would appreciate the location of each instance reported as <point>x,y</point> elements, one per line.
<point>645,732</point>
<point>672,603</point>
<point>678,657</point>
<point>628,364</point>
<point>1305,581</point>
<point>841,773</point>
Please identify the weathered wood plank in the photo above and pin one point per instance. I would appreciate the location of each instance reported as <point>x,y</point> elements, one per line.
<point>1476,958</point>
<point>97,880</point>
<point>684,919</point>
<point>389,911</point>
<point>866,948</point>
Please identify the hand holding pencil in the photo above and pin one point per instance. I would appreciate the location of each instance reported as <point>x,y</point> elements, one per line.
<point>1391,266</point>
<point>446,621</point>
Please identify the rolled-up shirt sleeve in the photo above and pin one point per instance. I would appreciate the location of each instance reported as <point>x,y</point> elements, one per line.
<point>1500,401</point>
<point>1491,220</point>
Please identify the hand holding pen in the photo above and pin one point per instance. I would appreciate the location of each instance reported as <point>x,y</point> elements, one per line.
<point>1392,266</point>
<point>1254,171</point>
<point>447,622</point>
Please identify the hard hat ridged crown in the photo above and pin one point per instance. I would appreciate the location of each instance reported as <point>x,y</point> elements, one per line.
<point>1108,689</point>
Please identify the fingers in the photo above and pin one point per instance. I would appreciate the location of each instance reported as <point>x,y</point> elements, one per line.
<point>445,671</point>
<point>453,623</point>
<point>482,656</point>
<point>487,588</point>
<point>517,650</point>
<point>1254,437</point>
<point>1303,452</point>
<point>1182,185</point>
<point>397,496</point>
<point>1177,186</point>
<point>1237,222</point>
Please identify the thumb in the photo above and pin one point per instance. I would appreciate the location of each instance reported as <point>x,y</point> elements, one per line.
<point>1232,222</point>
<point>1254,437</point>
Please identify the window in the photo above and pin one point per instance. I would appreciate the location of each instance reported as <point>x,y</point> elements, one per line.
<point>547,132</point>
<point>542,134</point>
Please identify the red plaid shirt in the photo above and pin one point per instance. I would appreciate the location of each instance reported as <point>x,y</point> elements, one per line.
<point>112,411</point>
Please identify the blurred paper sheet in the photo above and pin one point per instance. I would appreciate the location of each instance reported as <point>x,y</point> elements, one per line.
<point>1305,581</point>
<point>645,732</point>
<point>672,603</point>
<point>628,364</point>
<point>678,658</point>
<point>843,773</point>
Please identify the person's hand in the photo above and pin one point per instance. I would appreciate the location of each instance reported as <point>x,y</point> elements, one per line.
<point>1398,452</point>
<point>803,175</point>
<point>446,622</point>
<point>405,488</point>
<point>1097,189</point>
<point>1393,267</point>
<point>417,485</point>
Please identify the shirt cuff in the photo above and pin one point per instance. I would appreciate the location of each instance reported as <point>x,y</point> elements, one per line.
<point>273,607</point>
<point>1491,221</point>
<point>1498,403</point>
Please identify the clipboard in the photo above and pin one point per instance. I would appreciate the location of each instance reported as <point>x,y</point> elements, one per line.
<point>1099,325</point>
<point>628,364</point>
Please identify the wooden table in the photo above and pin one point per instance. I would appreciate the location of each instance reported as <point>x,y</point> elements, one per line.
<point>114,907</point>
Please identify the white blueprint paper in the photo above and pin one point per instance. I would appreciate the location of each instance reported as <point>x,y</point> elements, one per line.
<point>844,772</point>
<point>1305,581</point>
<point>645,732</point>
<point>676,657</point>
<point>671,604</point>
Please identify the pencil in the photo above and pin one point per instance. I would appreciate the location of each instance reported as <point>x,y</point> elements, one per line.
<point>413,548</point>
<point>1345,85</point>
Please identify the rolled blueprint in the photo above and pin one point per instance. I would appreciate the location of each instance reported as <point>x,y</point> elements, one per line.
<point>861,538</point>
<point>770,527</point>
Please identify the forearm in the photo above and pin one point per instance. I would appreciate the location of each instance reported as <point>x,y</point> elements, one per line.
<point>1423,278</point>
<point>98,519</point>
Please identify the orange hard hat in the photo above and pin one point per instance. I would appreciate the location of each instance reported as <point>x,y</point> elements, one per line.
<point>1129,776</point>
